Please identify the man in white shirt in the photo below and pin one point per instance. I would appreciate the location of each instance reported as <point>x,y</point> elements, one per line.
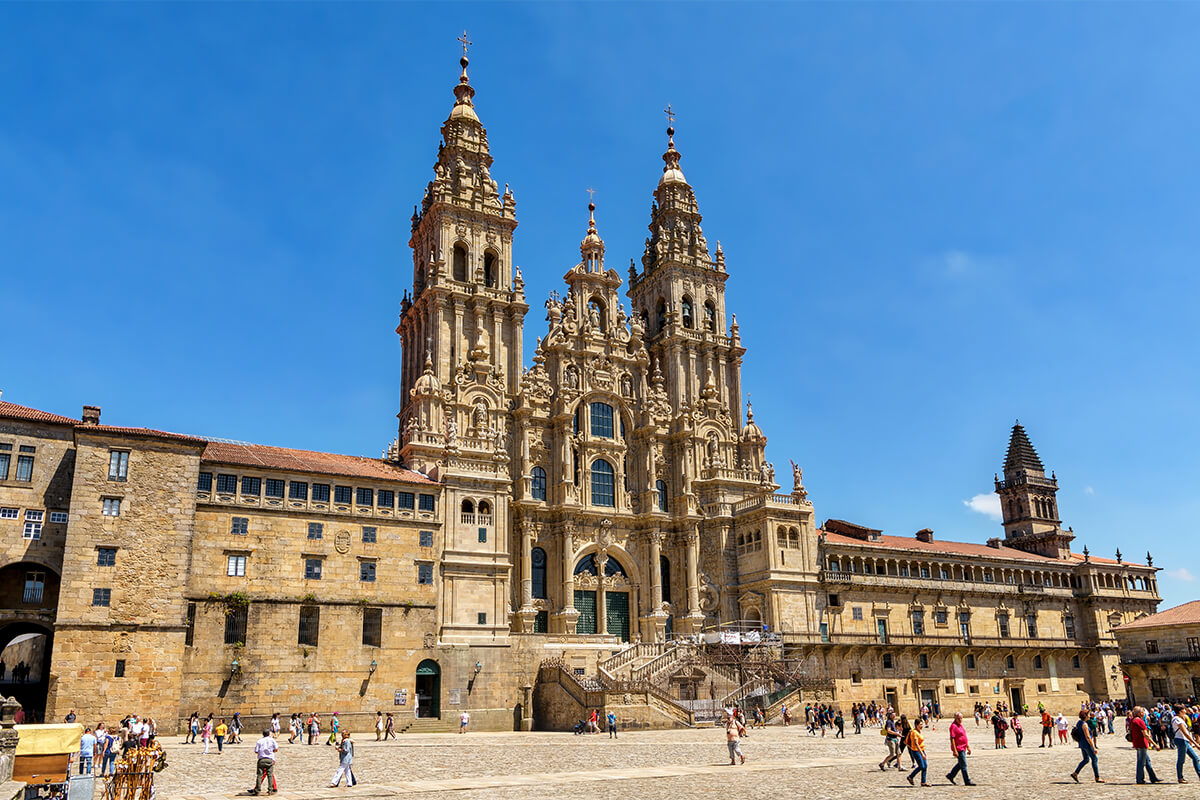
<point>464,720</point>
<point>1183,743</point>
<point>265,749</point>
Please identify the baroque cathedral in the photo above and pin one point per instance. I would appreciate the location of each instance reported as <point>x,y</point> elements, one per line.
<point>598,529</point>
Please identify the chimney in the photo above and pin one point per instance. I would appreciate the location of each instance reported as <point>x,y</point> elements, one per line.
<point>91,415</point>
<point>925,535</point>
<point>995,542</point>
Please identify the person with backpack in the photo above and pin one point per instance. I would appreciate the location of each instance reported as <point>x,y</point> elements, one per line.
<point>1082,734</point>
<point>1183,743</point>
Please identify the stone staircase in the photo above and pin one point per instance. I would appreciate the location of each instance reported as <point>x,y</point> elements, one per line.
<point>447,724</point>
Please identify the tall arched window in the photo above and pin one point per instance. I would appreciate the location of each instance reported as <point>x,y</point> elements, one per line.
<point>538,573</point>
<point>686,308</point>
<point>664,567</point>
<point>489,269</point>
<point>602,420</point>
<point>468,507</point>
<point>460,262</point>
<point>603,484</point>
<point>660,316</point>
<point>710,317</point>
<point>538,483</point>
<point>660,486</point>
<point>485,507</point>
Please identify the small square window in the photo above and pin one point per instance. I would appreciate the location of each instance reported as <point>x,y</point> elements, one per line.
<point>341,494</point>
<point>58,517</point>
<point>34,516</point>
<point>364,497</point>
<point>236,566</point>
<point>855,677</point>
<point>425,574</point>
<point>312,569</point>
<point>427,502</point>
<point>1037,662</point>
<point>1151,646</point>
<point>274,487</point>
<point>119,672</point>
<point>9,513</point>
<point>406,500</point>
<point>227,484</point>
<point>887,660</point>
<point>386,498</point>
<point>320,492</point>
<point>251,487</point>
<point>366,571</point>
<point>856,613</point>
<point>204,482</point>
<point>111,507</point>
<point>483,535</point>
<point>118,465</point>
<point>1075,662</point>
<point>315,530</point>
<point>101,597</point>
<point>368,534</point>
<point>106,556</point>
<point>426,538</point>
<point>27,448</point>
<point>240,526</point>
<point>298,490</point>
<point>834,601</point>
<point>482,618</point>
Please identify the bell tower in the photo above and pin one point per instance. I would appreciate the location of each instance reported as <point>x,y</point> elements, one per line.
<point>1029,501</point>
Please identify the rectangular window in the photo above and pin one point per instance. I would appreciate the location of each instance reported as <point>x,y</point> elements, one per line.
<point>1158,687</point>
<point>239,526</point>
<point>235,567</point>
<point>364,497</point>
<point>1002,625</point>
<point>35,588</point>
<point>312,569</point>
<point>970,661</point>
<point>923,661</point>
<point>1031,629</point>
<point>111,507</point>
<point>887,660</point>
<point>58,517</point>
<point>1152,646</point>
<point>274,488</point>
<point>1037,662</point>
<point>315,530</point>
<point>482,535</point>
<point>25,468</point>
<point>941,616</point>
<point>602,420</point>
<point>824,631</point>
<point>541,622</point>
<point>119,671</point>
<point>297,490</point>
<point>372,627</point>
<point>426,538</point>
<point>27,448</point>
<point>101,597</point>
<point>903,570</point>
<point>1193,644</point>
<point>386,499</point>
<point>1075,662</point>
<point>204,482</point>
<point>426,502</point>
<point>366,571</point>
<point>406,500</point>
<point>310,626</point>
<point>856,613</point>
<point>987,577</point>
<point>189,632</point>
<point>106,556</point>
<point>481,618</point>
<point>118,465</point>
<point>835,601</point>
<point>924,572</point>
<point>226,484</point>
<point>235,624</point>
<point>5,461</point>
<point>9,513</point>
<point>368,534</point>
<point>1069,625</point>
<point>341,494</point>
<point>918,623</point>
<point>251,487</point>
<point>33,530</point>
<point>320,492</point>
<point>34,516</point>
<point>945,575</point>
<point>425,574</point>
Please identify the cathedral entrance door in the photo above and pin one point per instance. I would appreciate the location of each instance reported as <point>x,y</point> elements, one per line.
<point>617,614</point>
<point>929,698</point>
<point>429,690</point>
<point>585,604</point>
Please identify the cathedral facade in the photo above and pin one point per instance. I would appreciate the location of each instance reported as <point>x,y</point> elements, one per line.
<point>538,539</point>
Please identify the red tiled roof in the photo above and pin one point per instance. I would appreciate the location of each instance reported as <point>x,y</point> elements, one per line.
<point>947,548</point>
<point>14,411</point>
<point>1186,614</point>
<point>1099,560</point>
<point>258,455</point>
<point>144,433</point>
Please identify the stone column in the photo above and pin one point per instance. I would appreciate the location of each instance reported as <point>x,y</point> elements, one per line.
<point>569,613</point>
<point>695,616</point>
<point>526,564</point>
<point>656,569</point>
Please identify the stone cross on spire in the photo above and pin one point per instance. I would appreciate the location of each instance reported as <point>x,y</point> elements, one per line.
<point>465,43</point>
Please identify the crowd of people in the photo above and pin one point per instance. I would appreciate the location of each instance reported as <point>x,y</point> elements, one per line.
<point>100,746</point>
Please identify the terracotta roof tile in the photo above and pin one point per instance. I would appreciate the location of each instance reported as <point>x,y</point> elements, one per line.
<point>1186,614</point>
<point>14,411</point>
<point>145,433</point>
<point>944,547</point>
<point>258,455</point>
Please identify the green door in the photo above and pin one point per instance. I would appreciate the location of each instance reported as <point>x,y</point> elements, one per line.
<point>617,614</point>
<point>585,604</point>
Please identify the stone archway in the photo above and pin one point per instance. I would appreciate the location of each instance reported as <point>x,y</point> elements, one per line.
<point>28,602</point>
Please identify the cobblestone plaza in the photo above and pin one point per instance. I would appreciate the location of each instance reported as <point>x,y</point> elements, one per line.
<point>652,764</point>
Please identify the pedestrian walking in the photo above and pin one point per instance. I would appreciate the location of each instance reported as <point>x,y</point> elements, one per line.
<point>1183,741</point>
<point>1082,733</point>
<point>345,762</point>
<point>733,739</point>
<point>464,720</point>
<point>1018,731</point>
<point>206,734</point>
<point>87,751</point>
<point>265,748</point>
<point>378,726</point>
<point>334,726</point>
<point>916,751</point>
<point>389,728</point>
<point>221,730</point>
<point>1139,737</point>
<point>611,719</point>
<point>891,738</point>
<point>960,748</point>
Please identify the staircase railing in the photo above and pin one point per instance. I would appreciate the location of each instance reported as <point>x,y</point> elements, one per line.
<point>657,664</point>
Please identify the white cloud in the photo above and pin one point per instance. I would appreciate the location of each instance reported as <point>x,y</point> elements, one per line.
<point>1181,574</point>
<point>986,504</point>
<point>1089,490</point>
<point>956,263</point>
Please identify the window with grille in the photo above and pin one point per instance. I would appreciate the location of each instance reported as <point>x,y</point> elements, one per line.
<point>320,492</point>
<point>426,538</point>
<point>425,574</point>
<point>537,562</point>
<point>106,556</point>
<point>5,462</point>
<point>660,486</point>
<point>1031,628</point>
<point>366,571</point>
<point>372,634</point>
<point>1002,625</point>
<point>204,482</point>
<point>274,488</point>
<point>918,623</point>
<point>35,587</point>
<point>189,632</point>
<point>298,490</point>
<point>1158,687</point>
<point>235,566</point>
<point>603,484</point>
<point>342,494</point>
<point>406,500</point>
<point>316,530</point>
<point>111,507</point>
<point>25,468</point>
<point>538,483</point>
<point>235,624</point>
<point>427,502</point>
<point>227,484</point>
<point>601,415</point>
<point>1193,645</point>
<point>541,622</point>
<point>58,517</point>
<point>368,534</point>
<point>118,465</point>
<point>9,513</point>
<point>251,487</point>
<point>312,569</point>
<point>386,498</point>
<point>100,597</point>
<point>239,526</point>
<point>856,613</point>
<point>310,626</point>
<point>1069,625</point>
<point>33,530</point>
<point>1152,646</point>
<point>365,497</point>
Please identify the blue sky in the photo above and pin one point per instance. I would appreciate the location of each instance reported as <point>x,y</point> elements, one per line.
<point>937,218</point>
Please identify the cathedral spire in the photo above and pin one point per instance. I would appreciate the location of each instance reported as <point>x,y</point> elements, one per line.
<point>463,92</point>
<point>1021,455</point>
<point>671,171</point>
<point>591,249</point>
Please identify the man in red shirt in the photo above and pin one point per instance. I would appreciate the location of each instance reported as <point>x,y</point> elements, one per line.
<point>1139,735</point>
<point>960,749</point>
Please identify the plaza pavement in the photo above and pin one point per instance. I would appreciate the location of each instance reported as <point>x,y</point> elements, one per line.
<point>654,765</point>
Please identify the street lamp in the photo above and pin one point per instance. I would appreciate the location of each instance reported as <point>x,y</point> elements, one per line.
<point>235,667</point>
<point>374,666</point>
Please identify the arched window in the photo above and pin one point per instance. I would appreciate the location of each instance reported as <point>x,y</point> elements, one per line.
<point>664,567</point>
<point>538,483</point>
<point>660,486</point>
<point>602,420</point>
<point>489,269</point>
<point>603,484</point>
<point>468,507</point>
<point>660,317</point>
<point>538,573</point>
<point>460,262</point>
<point>587,565</point>
<point>686,308</point>
<point>597,305</point>
<point>710,317</point>
<point>485,507</point>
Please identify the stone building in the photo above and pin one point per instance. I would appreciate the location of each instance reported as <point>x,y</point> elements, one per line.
<point>1160,655</point>
<point>538,538</point>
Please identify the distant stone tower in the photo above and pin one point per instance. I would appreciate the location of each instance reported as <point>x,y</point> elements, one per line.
<point>1028,501</point>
